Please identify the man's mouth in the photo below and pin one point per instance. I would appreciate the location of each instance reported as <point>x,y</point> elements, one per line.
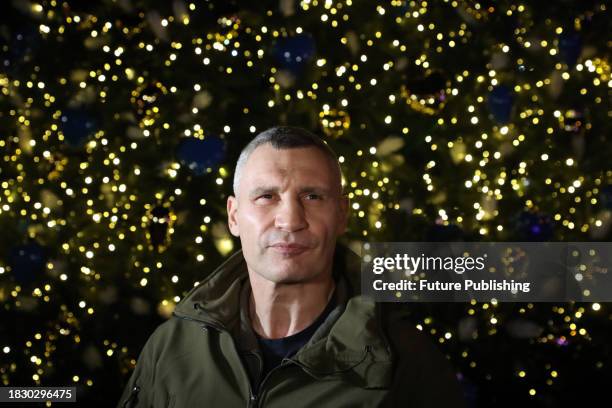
<point>288,249</point>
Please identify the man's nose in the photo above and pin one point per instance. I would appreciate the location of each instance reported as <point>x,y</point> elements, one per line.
<point>290,216</point>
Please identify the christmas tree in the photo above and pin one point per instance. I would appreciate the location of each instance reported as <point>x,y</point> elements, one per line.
<point>121,121</point>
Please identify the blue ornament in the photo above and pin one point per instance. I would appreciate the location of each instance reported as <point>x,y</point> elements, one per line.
<point>293,53</point>
<point>77,125</point>
<point>470,390</point>
<point>201,154</point>
<point>500,103</point>
<point>570,47</point>
<point>27,262</point>
<point>534,226</point>
<point>19,48</point>
<point>605,197</point>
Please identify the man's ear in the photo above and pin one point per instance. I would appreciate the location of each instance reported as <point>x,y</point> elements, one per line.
<point>232,212</point>
<point>344,213</point>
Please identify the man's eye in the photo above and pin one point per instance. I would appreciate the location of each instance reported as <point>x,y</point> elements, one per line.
<point>313,196</point>
<point>265,197</point>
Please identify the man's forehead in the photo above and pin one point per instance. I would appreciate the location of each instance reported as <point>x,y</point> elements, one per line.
<point>283,161</point>
<point>280,178</point>
<point>267,150</point>
<point>268,166</point>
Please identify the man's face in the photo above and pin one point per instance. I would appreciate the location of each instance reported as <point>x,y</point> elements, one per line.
<point>288,212</point>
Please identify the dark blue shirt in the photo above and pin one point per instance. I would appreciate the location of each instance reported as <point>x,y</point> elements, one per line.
<point>274,350</point>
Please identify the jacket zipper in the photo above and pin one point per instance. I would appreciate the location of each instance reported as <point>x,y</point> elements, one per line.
<point>133,394</point>
<point>252,399</point>
<point>255,397</point>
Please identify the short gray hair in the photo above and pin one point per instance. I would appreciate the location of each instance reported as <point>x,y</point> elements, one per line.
<point>281,138</point>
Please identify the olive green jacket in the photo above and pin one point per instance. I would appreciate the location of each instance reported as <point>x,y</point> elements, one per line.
<point>363,355</point>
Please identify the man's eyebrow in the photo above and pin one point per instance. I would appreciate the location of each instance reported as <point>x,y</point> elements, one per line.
<point>257,191</point>
<point>314,189</point>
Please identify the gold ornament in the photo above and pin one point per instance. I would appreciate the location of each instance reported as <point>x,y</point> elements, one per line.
<point>573,121</point>
<point>159,225</point>
<point>457,151</point>
<point>335,122</point>
<point>426,95</point>
<point>146,101</point>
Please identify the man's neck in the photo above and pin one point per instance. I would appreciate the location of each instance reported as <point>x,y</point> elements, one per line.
<point>281,310</point>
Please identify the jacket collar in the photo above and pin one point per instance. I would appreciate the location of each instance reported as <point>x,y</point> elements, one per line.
<point>352,337</point>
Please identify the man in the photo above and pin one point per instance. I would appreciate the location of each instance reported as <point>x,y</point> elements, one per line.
<point>281,322</point>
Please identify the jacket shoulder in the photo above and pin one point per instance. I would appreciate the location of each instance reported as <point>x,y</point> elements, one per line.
<point>174,336</point>
<point>170,343</point>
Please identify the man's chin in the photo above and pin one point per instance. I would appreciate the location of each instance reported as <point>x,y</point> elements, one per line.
<point>290,275</point>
